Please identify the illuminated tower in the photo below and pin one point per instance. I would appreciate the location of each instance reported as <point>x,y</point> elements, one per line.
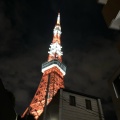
<point>53,72</point>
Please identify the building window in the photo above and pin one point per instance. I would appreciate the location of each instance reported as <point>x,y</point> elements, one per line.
<point>116,86</point>
<point>88,104</point>
<point>72,100</point>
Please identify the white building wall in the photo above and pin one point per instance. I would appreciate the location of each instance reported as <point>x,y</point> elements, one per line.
<point>78,112</point>
<point>102,1</point>
<point>115,23</point>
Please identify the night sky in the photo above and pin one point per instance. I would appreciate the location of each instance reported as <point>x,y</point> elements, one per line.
<point>91,50</point>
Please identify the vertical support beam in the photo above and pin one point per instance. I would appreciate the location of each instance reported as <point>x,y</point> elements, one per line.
<point>100,109</point>
<point>60,104</point>
<point>47,91</point>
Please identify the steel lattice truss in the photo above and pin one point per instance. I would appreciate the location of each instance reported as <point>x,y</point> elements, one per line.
<point>56,82</point>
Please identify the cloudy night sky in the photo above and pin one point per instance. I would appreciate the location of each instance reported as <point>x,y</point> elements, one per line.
<point>90,50</point>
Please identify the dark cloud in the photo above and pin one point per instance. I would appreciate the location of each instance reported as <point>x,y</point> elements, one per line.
<point>55,5</point>
<point>91,50</point>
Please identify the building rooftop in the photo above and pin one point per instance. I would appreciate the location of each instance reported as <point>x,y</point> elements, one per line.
<point>82,94</point>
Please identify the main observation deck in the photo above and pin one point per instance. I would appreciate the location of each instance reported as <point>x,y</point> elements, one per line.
<point>54,63</point>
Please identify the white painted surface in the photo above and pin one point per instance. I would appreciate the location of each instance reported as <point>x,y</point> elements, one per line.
<point>102,1</point>
<point>115,90</point>
<point>79,112</point>
<point>115,24</point>
<point>100,109</point>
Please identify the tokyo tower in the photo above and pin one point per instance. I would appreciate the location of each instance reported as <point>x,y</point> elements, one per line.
<point>52,79</point>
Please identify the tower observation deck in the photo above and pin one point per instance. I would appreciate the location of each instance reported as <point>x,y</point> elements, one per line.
<point>52,79</point>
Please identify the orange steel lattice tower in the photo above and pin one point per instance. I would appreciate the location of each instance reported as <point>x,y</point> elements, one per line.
<point>53,71</point>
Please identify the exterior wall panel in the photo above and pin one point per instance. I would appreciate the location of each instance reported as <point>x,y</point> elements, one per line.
<point>79,112</point>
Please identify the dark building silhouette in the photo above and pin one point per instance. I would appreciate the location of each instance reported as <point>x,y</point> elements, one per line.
<point>114,85</point>
<point>111,13</point>
<point>7,103</point>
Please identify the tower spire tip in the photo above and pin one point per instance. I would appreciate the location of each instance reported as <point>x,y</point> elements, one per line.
<point>58,18</point>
